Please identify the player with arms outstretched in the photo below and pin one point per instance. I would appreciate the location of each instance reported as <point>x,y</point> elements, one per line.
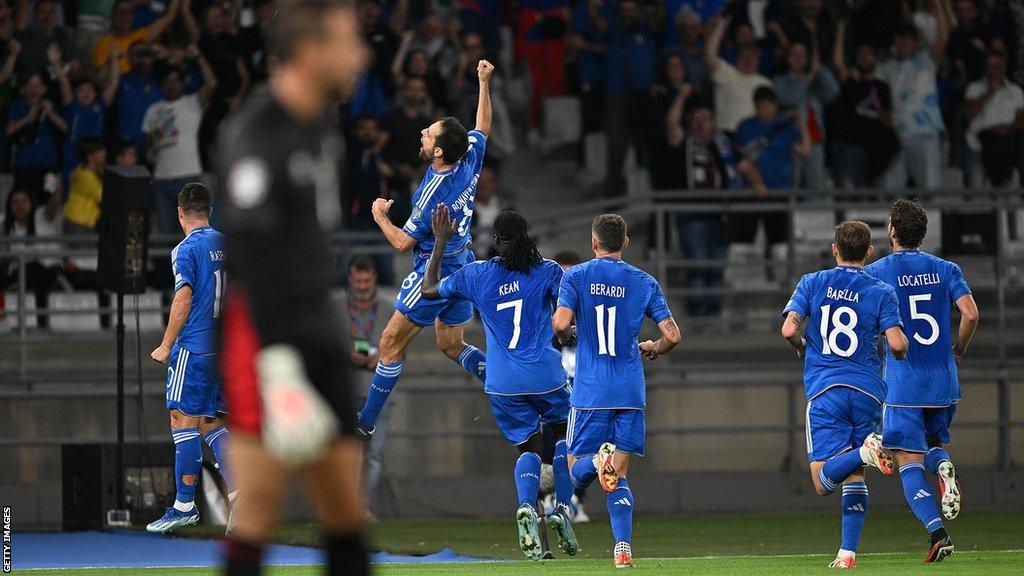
<point>455,158</point>
<point>843,310</point>
<point>609,299</point>
<point>515,293</point>
<point>194,394</point>
<point>284,355</point>
<point>924,389</point>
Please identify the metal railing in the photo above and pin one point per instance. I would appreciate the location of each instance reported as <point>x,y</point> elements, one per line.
<point>657,212</point>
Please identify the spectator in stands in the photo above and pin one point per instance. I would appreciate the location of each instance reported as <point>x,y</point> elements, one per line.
<point>805,89</point>
<point>916,114</point>
<point>589,38</point>
<point>41,34</point>
<point>82,210</point>
<point>368,176</point>
<point>415,64</point>
<point>705,159</point>
<point>172,129</point>
<point>690,33</point>
<point>123,36</point>
<point>671,85</point>
<point>465,89</point>
<point>810,26</point>
<point>770,141</point>
<point>34,125</point>
<point>254,40</point>
<point>995,109</point>
<point>865,142</point>
<point>382,40</point>
<point>733,86</point>
<point>22,218</point>
<point>967,41</point>
<point>220,45</point>
<point>137,91</point>
<point>484,18</point>
<point>486,208</point>
<point>403,123</point>
<point>124,153</point>
<point>364,313</point>
<point>83,111</point>
<point>541,30</point>
<point>631,59</point>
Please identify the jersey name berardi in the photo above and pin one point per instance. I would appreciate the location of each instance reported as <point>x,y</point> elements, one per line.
<point>606,290</point>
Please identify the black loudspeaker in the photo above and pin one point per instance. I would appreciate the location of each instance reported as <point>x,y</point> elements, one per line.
<point>89,479</point>
<point>124,229</point>
<point>967,232</point>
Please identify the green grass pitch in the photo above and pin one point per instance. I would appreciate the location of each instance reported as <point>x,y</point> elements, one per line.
<point>988,543</point>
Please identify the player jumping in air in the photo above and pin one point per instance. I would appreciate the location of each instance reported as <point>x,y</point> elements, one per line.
<point>515,293</point>
<point>609,299</point>
<point>455,158</point>
<point>285,357</point>
<point>843,310</point>
<point>194,393</point>
<point>925,388</point>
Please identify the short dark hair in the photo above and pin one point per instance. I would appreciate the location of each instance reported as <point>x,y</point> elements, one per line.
<point>610,231</point>
<point>908,30</point>
<point>121,146</point>
<point>853,238</point>
<point>567,258</point>
<point>453,139</point>
<point>765,94</point>
<point>194,200</point>
<point>362,264</point>
<point>909,222</point>
<point>79,82</point>
<point>291,24</point>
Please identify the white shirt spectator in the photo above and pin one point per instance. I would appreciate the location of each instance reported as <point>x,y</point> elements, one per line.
<point>1000,110</point>
<point>174,127</point>
<point>734,94</point>
<point>914,93</point>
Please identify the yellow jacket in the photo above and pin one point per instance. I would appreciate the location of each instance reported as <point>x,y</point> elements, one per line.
<point>83,205</point>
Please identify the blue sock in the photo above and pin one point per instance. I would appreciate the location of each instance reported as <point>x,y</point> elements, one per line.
<point>188,460</point>
<point>385,377</point>
<point>920,496</point>
<point>583,471</point>
<point>528,478</point>
<point>563,481</point>
<point>474,361</point>
<point>839,468</point>
<point>217,439</point>
<point>855,510</point>
<point>935,456</point>
<point>620,508</point>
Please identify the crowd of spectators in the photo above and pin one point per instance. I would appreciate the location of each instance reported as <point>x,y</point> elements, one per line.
<point>711,94</point>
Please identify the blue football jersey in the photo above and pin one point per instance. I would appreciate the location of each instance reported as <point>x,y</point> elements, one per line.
<point>516,309</point>
<point>456,188</point>
<point>610,299</point>
<point>197,262</point>
<point>846,310</point>
<point>926,288</point>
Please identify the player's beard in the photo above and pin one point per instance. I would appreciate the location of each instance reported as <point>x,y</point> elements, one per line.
<point>424,156</point>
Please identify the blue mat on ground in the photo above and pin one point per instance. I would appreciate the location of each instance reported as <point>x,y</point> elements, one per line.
<point>142,550</point>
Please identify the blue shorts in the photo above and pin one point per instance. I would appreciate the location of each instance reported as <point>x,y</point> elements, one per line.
<point>520,416</point>
<point>910,429</point>
<point>588,429</point>
<point>452,312</point>
<point>193,383</point>
<point>839,419</point>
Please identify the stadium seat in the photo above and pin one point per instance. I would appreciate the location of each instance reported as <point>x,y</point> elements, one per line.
<point>562,120</point>
<point>68,312</point>
<point>10,312</point>
<point>151,317</point>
